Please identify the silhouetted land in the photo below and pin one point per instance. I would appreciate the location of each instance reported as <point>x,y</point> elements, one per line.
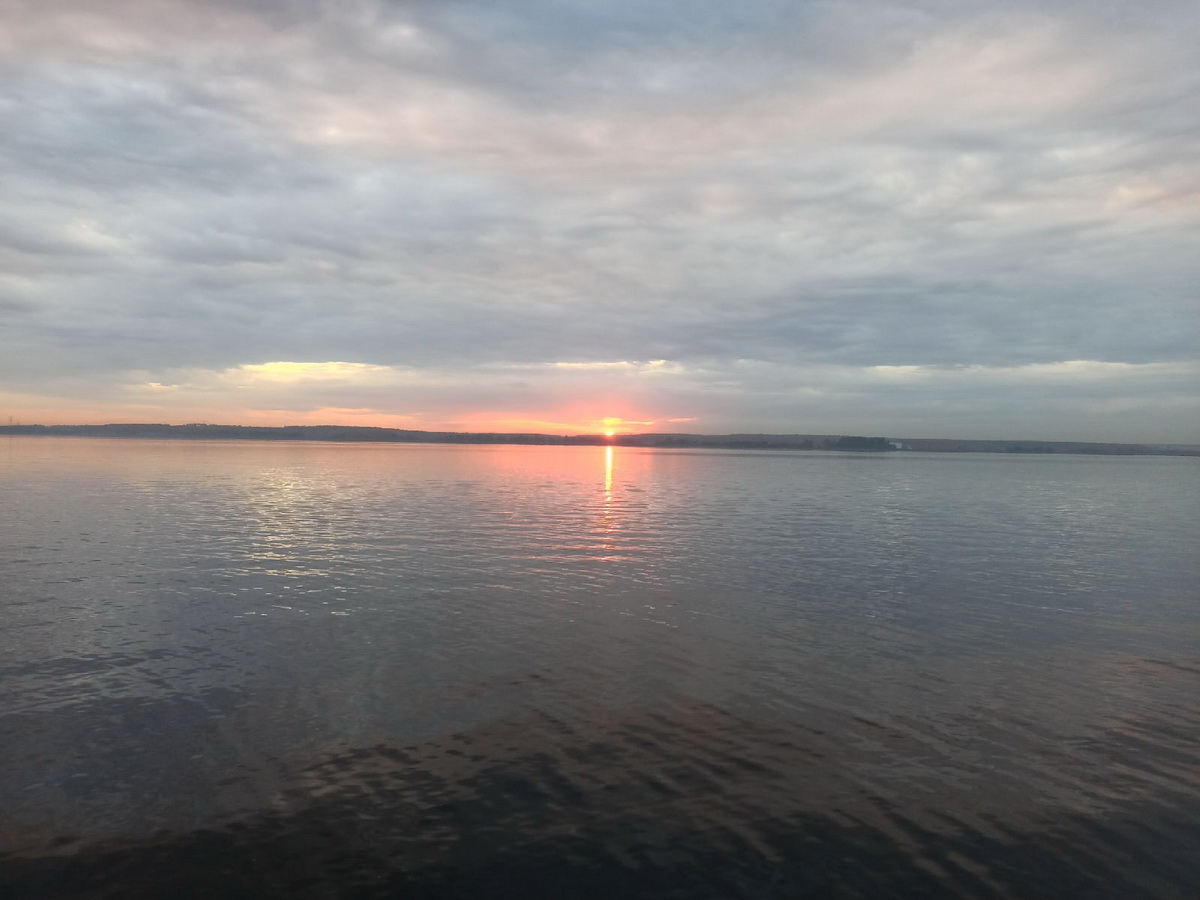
<point>703,441</point>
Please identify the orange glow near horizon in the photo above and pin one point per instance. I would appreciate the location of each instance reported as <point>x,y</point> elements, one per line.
<point>568,421</point>
<point>162,415</point>
<point>280,393</point>
<point>573,419</point>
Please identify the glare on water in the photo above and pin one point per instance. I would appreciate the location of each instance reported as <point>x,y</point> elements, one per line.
<point>699,674</point>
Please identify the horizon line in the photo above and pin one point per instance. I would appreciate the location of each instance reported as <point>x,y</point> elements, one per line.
<point>602,437</point>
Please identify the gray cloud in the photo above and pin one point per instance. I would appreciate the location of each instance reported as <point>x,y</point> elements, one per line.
<point>746,191</point>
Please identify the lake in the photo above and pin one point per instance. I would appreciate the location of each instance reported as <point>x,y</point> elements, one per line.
<point>247,669</point>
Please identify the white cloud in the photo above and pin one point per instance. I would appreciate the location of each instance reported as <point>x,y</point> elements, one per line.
<point>734,216</point>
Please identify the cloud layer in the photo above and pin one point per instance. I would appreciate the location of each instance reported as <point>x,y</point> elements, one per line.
<point>960,219</point>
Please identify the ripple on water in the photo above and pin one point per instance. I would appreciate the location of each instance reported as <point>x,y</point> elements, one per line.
<point>692,803</point>
<point>455,672</point>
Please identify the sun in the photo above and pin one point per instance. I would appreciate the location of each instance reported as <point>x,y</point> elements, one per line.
<point>611,424</point>
<point>615,426</point>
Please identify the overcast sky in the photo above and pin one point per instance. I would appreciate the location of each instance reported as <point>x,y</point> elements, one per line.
<point>939,218</point>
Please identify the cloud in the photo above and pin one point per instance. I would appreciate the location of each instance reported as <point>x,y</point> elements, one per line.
<point>1066,401</point>
<point>482,196</point>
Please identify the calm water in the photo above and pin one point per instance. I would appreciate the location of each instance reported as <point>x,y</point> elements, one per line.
<point>318,670</point>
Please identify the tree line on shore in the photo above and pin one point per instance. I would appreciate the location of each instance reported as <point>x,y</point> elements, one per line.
<point>359,433</point>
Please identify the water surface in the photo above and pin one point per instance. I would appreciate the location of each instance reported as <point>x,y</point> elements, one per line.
<point>274,669</point>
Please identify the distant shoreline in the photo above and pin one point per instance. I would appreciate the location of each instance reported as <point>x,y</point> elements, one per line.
<point>366,434</point>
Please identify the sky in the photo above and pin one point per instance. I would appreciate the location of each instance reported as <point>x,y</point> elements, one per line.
<point>944,218</point>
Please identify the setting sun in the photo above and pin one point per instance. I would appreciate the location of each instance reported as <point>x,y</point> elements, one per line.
<point>611,426</point>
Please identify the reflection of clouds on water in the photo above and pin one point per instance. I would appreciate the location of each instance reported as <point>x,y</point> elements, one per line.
<point>604,803</point>
<point>289,514</point>
<point>552,640</point>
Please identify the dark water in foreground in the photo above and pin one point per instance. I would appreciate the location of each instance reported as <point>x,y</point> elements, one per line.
<point>312,670</point>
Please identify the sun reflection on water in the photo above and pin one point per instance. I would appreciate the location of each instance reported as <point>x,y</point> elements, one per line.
<point>289,526</point>
<point>607,525</point>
